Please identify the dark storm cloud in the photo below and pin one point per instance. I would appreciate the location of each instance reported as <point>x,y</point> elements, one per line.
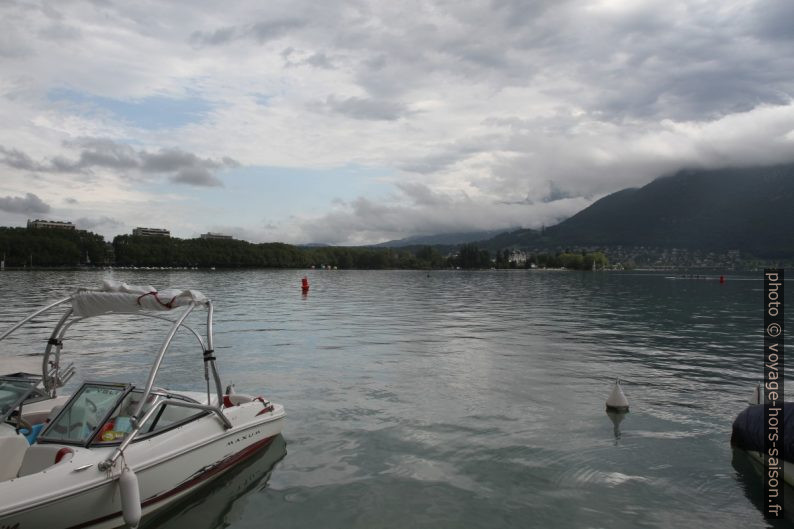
<point>103,153</point>
<point>637,60</point>
<point>421,195</point>
<point>29,204</point>
<point>271,29</point>
<point>293,58</point>
<point>556,193</point>
<point>262,32</point>
<point>18,160</point>
<point>179,166</point>
<point>319,60</point>
<point>365,108</point>
<point>620,77</point>
<point>697,63</point>
<point>213,38</point>
<point>680,70</point>
<point>187,167</point>
<point>772,19</point>
<point>196,176</point>
<point>169,160</point>
<point>517,12</point>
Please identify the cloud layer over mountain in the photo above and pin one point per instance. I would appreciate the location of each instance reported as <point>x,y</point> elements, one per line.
<point>463,116</point>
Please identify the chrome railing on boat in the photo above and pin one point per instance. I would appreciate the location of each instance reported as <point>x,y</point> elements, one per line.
<point>137,425</point>
<point>53,379</point>
<point>208,358</point>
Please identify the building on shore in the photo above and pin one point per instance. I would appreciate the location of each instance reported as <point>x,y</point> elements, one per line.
<point>210,235</point>
<point>519,257</point>
<point>151,232</point>
<point>50,224</point>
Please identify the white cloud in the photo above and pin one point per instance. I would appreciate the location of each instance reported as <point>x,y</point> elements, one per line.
<point>484,111</point>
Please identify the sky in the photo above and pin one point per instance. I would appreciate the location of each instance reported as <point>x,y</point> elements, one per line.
<point>361,121</point>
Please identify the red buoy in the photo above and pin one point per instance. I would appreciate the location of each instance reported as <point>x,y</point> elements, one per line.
<point>722,279</point>
<point>305,284</point>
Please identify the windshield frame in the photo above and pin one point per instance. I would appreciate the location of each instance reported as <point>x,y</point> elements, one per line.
<point>149,429</point>
<point>123,388</point>
<point>30,395</point>
<point>162,398</point>
<point>153,431</point>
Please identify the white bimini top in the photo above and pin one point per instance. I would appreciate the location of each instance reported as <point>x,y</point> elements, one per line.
<point>116,296</point>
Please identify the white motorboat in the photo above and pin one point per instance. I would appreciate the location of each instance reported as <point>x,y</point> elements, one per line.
<point>116,452</point>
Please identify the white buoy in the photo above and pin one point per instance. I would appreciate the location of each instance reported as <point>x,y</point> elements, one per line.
<point>617,401</point>
<point>757,395</point>
<point>130,498</point>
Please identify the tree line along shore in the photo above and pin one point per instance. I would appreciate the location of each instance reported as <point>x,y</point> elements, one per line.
<point>50,248</point>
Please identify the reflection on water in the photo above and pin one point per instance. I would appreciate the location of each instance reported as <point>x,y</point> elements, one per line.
<point>749,472</point>
<point>463,399</point>
<point>616,417</point>
<point>221,502</point>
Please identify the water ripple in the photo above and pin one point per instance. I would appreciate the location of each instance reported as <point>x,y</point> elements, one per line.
<point>462,399</point>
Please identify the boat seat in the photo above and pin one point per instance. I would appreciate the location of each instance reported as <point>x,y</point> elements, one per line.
<point>41,456</point>
<point>37,416</point>
<point>37,412</point>
<point>53,413</point>
<point>13,448</point>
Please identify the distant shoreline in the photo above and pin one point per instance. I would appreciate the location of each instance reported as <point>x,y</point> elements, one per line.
<point>682,273</point>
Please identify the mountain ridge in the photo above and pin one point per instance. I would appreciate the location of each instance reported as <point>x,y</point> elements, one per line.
<point>750,209</point>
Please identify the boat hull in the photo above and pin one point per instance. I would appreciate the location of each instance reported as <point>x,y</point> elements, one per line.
<point>167,467</point>
<point>224,501</point>
<point>788,468</point>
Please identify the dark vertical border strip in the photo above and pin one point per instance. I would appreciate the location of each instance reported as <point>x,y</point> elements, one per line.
<point>773,385</point>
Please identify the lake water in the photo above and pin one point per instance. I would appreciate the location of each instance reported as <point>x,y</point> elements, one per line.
<point>457,399</point>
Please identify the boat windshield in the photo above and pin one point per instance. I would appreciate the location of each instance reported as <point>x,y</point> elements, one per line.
<point>119,423</point>
<point>84,412</point>
<point>14,391</point>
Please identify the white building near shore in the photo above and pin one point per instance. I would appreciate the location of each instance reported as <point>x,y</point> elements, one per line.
<point>519,257</point>
<point>151,232</point>
<point>50,224</point>
<point>210,235</point>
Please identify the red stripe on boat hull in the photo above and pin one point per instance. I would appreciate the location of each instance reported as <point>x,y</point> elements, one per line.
<point>223,465</point>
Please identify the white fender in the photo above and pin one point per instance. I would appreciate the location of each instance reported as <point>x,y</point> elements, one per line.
<point>130,497</point>
<point>617,401</point>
